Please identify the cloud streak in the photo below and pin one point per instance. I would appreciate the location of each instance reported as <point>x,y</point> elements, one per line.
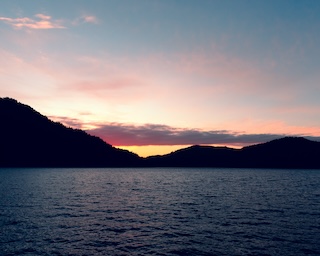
<point>119,134</point>
<point>151,134</point>
<point>87,19</point>
<point>40,21</point>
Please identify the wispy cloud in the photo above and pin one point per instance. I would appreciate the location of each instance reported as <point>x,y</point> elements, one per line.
<point>39,21</point>
<point>151,134</point>
<point>90,19</point>
<point>119,134</point>
<point>86,19</point>
<point>43,21</point>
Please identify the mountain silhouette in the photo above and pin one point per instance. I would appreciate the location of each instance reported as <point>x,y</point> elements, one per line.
<point>196,156</point>
<point>288,152</point>
<point>29,139</point>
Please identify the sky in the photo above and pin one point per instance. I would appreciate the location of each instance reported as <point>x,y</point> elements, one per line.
<point>152,76</point>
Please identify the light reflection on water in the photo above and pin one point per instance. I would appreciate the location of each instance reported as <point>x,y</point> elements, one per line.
<point>159,212</point>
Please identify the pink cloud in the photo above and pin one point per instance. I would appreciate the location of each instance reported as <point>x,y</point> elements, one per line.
<point>275,126</point>
<point>43,16</point>
<point>90,19</point>
<point>41,21</point>
<point>102,84</point>
<point>166,76</point>
<point>86,19</point>
<point>121,134</point>
<point>150,134</point>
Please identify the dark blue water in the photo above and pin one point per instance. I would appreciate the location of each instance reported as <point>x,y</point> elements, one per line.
<point>159,212</point>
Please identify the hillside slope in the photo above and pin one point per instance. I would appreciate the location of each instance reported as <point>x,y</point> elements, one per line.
<point>31,139</point>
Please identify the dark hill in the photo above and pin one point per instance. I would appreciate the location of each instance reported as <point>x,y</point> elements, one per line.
<point>288,152</point>
<point>29,139</point>
<point>196,156</point>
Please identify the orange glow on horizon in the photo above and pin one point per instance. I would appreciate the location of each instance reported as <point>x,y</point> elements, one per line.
<point>152,150</point>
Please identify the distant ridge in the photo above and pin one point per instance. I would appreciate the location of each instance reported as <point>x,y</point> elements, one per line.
<point>29,139</point>
<point>288,152</point>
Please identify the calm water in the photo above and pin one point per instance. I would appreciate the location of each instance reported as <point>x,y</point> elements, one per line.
<point>159,212</point>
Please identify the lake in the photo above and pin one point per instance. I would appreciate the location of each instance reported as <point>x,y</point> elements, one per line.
<point>156,211</point>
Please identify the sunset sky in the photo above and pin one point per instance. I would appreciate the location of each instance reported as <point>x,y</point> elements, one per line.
<point>152,76</point>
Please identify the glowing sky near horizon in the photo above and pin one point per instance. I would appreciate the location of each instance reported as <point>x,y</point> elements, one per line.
<point>152,75</point>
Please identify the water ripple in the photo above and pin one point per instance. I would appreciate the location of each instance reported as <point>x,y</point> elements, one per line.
<point>159,212</point>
